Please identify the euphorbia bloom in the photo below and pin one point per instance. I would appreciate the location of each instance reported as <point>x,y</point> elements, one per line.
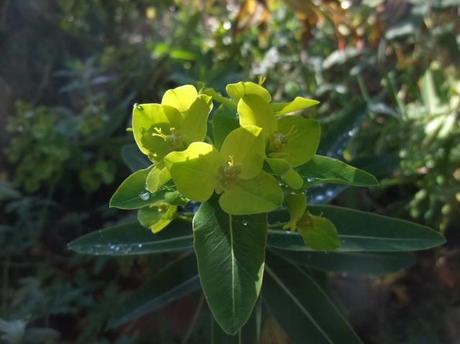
<point>235,172</point>
<point>291,140</point>
<point>159,129</point>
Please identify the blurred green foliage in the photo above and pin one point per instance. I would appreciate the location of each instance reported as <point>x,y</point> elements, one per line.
<point>387,74</point>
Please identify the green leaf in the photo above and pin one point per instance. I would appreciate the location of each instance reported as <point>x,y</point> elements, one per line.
<point>223,122</point>
<point>133,158</point>
<point>322,169</point>
<point>181,97</point>
<point>230,251</point>
<point>8,192</point>
<point>287,174</point>
<point>296,205</point>
<point>133,239</point>
<point>318,233</point>
<point>246,147</point>
<point>299,103</point>
<point>243,88</point>
<point>254,110</point>
<point>249,333</point>
<point>194,170</point>
<point>131,194</point>
<point>156,217</point>
<point>261,194</point>
<point>369,263</point>
<point>302,140</point>
<point>175,281</point>
<point>301,307</point>
<point>361,231</point>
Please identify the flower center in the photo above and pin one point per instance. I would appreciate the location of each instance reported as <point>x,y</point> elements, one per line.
<point>278,141</point>
<point>173,139</point>
<point>229,172</point>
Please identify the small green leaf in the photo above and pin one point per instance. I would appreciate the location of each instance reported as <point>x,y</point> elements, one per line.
<point>133,239</point>
<point>361,231</point>
<point>194,170</point>
<point>230,251</point>
<point>301,307</point>
<point>223,122</point>
<point>254,110</point>
<point>246,148</point>
<point>181,97</point>
<point>156,178</point>
<point>359,263</point>
<point>132,194</point>
<point>299,103</point>
<point>287,174</point>
<point>156,217</point>
<point>322,169</point>
<point>240,89</point>
<point>318,233</point>
<point>301,140</point>
<point>261,194</point>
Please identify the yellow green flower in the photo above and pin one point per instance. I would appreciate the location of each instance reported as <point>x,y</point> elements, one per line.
<point>235,172</point>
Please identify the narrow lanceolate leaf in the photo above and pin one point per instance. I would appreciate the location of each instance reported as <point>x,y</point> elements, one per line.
<point>360,263</point>
<point>360,231</point>
<point>322,169</point>
<point>302,308</point>
<point>230,252</point>
<point>133,158</point>
<point>175,281</point>
<point>131,194</point>
<point>133,239</point>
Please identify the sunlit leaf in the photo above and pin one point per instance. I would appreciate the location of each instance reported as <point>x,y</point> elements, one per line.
<point>299,103</point>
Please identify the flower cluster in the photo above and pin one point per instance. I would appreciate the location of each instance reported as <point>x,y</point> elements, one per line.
<point>255,165</point>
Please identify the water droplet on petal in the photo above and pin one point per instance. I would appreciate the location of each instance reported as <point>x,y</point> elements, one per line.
<point>144,196</point>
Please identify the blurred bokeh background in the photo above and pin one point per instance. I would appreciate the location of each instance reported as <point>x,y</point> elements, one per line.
<point>387,73</point>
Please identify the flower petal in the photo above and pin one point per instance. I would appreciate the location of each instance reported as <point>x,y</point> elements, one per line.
<point>243,88</point>
<point>261,194</point>
<point>319,233</point>
<point>195,170</point>
<point>147,120</point>
<point>299,103</point>
<point>302,139</point>
<point>254,110</point>
<point>180,98</point>
<point>156,178</point>
<point>195,120</point>
<point>246,146</point>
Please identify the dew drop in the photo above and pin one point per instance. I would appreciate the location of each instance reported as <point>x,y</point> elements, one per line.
<point>244,222</point>
<point>139,245</point>
<point>144,196</point>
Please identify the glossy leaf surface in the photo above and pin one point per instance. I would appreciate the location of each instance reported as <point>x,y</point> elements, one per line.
<point>361,231</point>
<point>302,308</point>
<point>230,252</point>
<point>133,239</point>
